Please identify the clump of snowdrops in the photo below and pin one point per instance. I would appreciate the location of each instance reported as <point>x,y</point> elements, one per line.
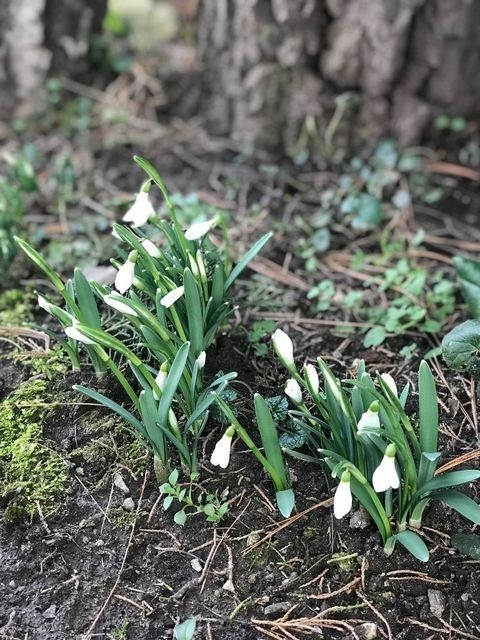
<point>387,460</point>
<point>152,329</point>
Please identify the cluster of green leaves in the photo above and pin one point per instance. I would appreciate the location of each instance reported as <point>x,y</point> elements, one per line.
<point>415,297</point>
<point>162,343</point>
<point>351,427</point>
<point>461,345</point>
<point>209,504</point>
<point>366,194</point>
<point>17,182</point>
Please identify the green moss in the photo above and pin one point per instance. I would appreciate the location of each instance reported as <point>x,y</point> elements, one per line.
<point>51,364</point>
<point>15,308</point>
<point>31,474</point>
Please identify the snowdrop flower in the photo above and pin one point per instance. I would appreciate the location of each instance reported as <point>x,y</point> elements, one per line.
<point>293,391</point>
<point>312,377</point>
<point>390,382</point>
<point>284,348</point>
<point>118,305</point>
<point>75,334</point>
<point>126,273</point>
<point>172,297</point>
<point>370,419</point>
<point>342,501</point>
<point>202,358</point>
<point>152,250</point>
<point>44,304</point>
<point>221,454</point>
<point>141,210</point>
<point>385,475</point>
<point>198,230</point>
<point>161,378</point>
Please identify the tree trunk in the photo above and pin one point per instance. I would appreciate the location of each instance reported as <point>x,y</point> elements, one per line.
<point>37,36</point>
<point>301,74</point>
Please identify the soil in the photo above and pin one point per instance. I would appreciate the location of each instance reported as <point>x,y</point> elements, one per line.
<point>100,567</point>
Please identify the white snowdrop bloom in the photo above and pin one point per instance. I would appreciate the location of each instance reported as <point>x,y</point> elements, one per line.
<point>293,391</point>
<point>172,297</point>
<point>385,475</point>
<point>202,358</point>
<point>44,304</point>
<point>126,273</point>
<point>284,348</point>
<point>75,334</point>
<point>140,211</point>
<point>370,419</point>
<point>312,377</point>
<point>390,382</point>
<point>198,230</point>
<point>152,250</point>
<point>119,305</point>
<point>221,454</point>
<point>342,501</point>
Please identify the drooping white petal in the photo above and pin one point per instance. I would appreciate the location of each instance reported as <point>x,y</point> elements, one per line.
<point>342,501</point>
<point>140,211</point>
<point>198,230</point>
<point>201,359</point>
<point>75,334</point>
<point>172,297</point>
<point>44,304</point>
<point>118,305</point>
<point>125,276</point>
<point>283,347</point>
<point>369,419</point>
<point>385,475</point>
<point>293,391</point>
<point>390,382</point>
<point>151,248</point>
<point>312,377</point>
<point>221,454</point>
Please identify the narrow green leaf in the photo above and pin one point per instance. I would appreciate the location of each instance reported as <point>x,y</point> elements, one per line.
<point>269,437</point>
<point>86,299</point>
<point>285,501</point>
<point>428,409</point>
<point>248,257</point>
<point>414,544</point>
<point>171,384</point>
<point>41,263</point>
<point>148,407</point>
<point>218,282</point>
<point>461,503</point>
<point>446,480</point>
<point>194,312</point>
<point>113,406</point>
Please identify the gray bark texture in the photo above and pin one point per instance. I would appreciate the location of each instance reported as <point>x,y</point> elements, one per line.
<point>39,36</point>
<point>293,73</point>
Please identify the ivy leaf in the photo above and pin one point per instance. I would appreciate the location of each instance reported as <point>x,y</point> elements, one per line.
<point>468,544</point>
<point>468,273</point>
<point>461,345</point>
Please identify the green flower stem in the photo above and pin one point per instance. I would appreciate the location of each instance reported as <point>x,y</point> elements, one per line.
<point>372,495</point>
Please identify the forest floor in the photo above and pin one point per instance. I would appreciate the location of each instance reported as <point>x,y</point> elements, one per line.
<point>95,564</point>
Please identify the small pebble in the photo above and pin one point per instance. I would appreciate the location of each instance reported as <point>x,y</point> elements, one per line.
<point>367,631</point>
<point>119,482</point>
<point>195,564</point>
<point>436,601</point>
<point>359,519</point>
<point>79,471</point>
<point>51,612</point>
<point>252,538</point>
<point>276,608</point>
<point>228,586</point>
<point>128,504</point>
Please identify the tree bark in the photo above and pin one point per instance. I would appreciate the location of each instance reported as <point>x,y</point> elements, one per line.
<point>320,73</point>
<point>38,36</point>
